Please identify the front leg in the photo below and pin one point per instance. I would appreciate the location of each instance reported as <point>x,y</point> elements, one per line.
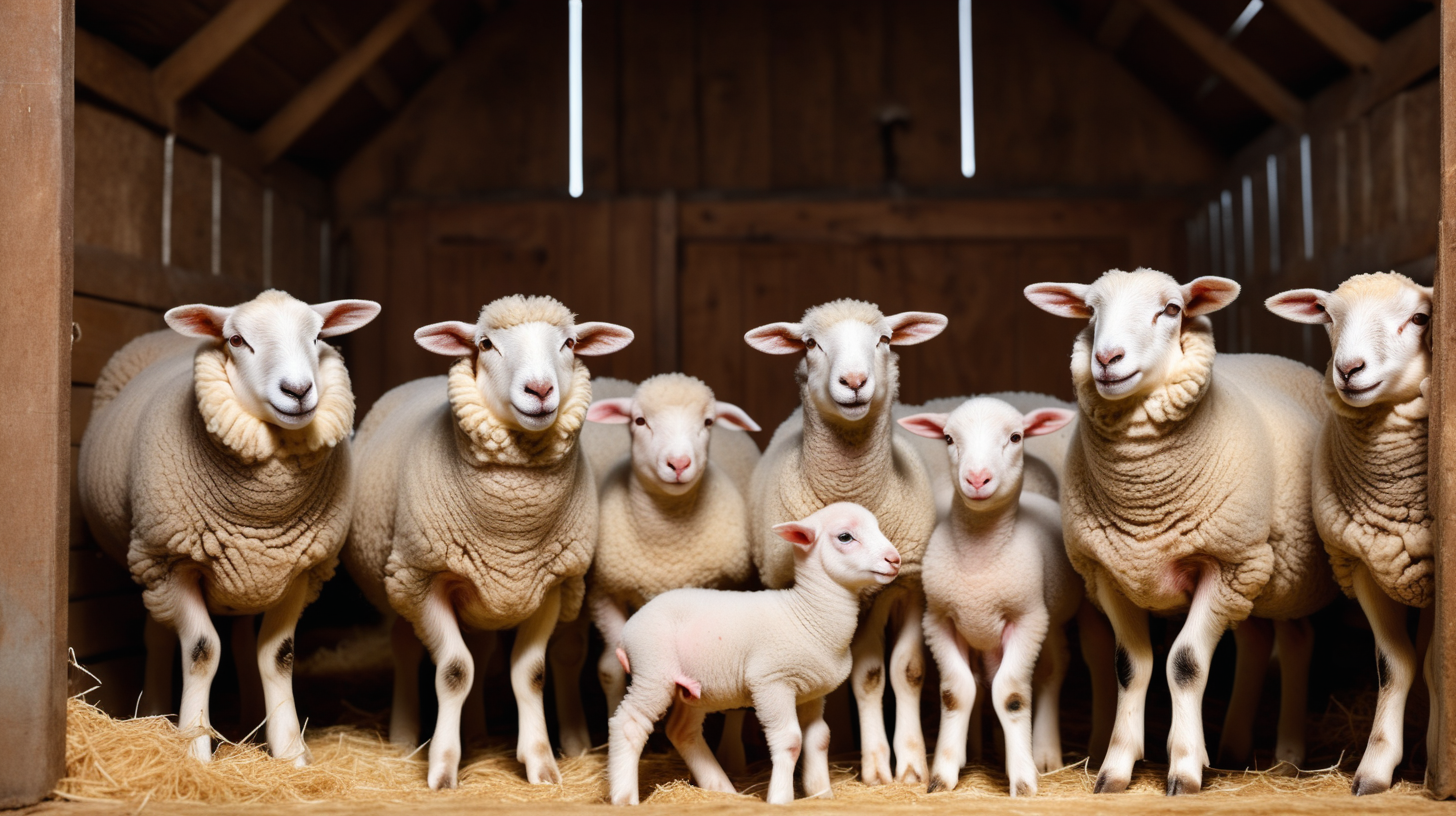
<point>907,675</point>
<point>454,673</point>
<point>610,616</point>
<point>528,680</point>
<point>816,749</point>
<point>200,655</point>
<point>957,699</point>
<point>275,667</point>
<point>1134,663</point>
<point>1188,663</point>
<point>404,713</point>
<point>1011,696</point>
<point>867,681</point>
<point>778,712</point>
<point>1046,721</point>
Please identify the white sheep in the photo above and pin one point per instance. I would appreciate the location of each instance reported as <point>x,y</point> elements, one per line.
<point>999,591</point>
<point>219,472</point>
<point>841,446</point>
<point>779,651</point>
<point>1370,467</point>
<point>1187,488</point>
<point>476,506</point>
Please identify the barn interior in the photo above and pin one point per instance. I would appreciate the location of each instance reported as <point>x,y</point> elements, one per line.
<point>742,161</point>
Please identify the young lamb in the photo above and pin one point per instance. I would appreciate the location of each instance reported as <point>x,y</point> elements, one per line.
<point>219,472</point>
<point>1187,488</point>
<point>779,651</point>
<point>999,592</point>
<point>842,447</point>
<point>476,506</point>
<point>1370,466</point>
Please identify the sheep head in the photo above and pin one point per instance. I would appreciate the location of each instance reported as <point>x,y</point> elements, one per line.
<point>1380,329</point>
<point>845,541</point>
<point>272,344</point>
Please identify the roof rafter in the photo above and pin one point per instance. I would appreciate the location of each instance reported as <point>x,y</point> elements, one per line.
<point>1334,30</point>
<point>218,39</point>
<point>375,80</point>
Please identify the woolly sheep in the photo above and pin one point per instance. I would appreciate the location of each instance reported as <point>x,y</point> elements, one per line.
<point>219,472</point>
<point>841,447</point>
<point>1187,487</point>
<point>476,505</point>
<point>1369,489</point>
<point>779,651</point>
<point>999,592</point>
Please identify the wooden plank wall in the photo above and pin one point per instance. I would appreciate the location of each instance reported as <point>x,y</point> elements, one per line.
<point>122,289</point>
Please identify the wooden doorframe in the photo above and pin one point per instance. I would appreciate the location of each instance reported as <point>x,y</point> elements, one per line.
<point>37,101</point>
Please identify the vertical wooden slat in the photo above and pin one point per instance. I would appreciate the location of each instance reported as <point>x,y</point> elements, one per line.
<point>36,162</point>
<point>658,148</point>
<point>664,285</point>
<point>734,87</point>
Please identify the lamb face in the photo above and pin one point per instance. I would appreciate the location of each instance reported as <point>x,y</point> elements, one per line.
<point>272,347</point>
<point>845,541</point>
<point>1379,328</point>
<point>1136,320</point>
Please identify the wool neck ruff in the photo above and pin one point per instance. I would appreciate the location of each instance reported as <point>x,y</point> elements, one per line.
<point>253,440</point>
<point>488,441</point>
<point>1169,403</point>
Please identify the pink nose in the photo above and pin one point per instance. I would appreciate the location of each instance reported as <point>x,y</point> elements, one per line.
<point>540,389</point>
<point>1110,356</point>
<point>679,464</point>
<point>853,382</point>
<point>893,559</point>
<point>978,479</point>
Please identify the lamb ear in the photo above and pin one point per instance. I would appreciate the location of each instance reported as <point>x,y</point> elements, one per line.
<point>1300,305</point>
<point>451,338</point>
<point>1046,420</point>
<point>1060,299</point>
<point>344,316</point>
<point>596,339</point>
<point>909,328</point>
<point>1207,295</point>
<point>734,417</point>
<point>776,338</point>
<point>930,426</point>
<point>799,534</point>
<point>198,320</point>
<point>616,411</point>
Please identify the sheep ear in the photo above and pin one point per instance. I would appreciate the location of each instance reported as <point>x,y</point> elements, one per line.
<point>1060,299</point>
<point>930,426</point>
<point>451,338</point>
<point>616,411</point>
<point>1300,305</point>
<point>344,316</point>
<point>1207,295</point>
<point>909,328</point>
<point>734,417</point>
<point>596,339</point>
<point>198,320</point>
<point>776,338</point>
<point>1046,420</point>
<point>799,534</point>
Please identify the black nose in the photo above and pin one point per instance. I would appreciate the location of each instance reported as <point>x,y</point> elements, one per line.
<point>296,390</point>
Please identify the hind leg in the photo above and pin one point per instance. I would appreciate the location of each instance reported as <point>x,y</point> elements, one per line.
<point>161,645</point>
<point>1294,641</point>
<point>1254,640</point>
<point>815,773</point>
<point>528,681</point>
<point>685,731</point>
<point>907,675</point>
<point>404,714</point>
<point>867,680</point>
<point>609,617</point>
<point>1051,672</point>
<point>730,745</point>
<point>472,715</point>
<point>1095,635</point>
<point>567,653</point>
<point>251,708</point>
<point>627,732</point>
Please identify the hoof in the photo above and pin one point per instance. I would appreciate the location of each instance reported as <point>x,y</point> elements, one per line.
<point>1179,785</point>
<point>911,774</point>
<point>1107,783</point>
<point>442,780</point>
<point>939,784</point>
<point>875,768</point>
<point>1366,785</point>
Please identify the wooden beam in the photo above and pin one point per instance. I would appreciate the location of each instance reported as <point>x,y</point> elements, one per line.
<point>375,80</point>
<point>1405,58</point>
<point>305,108</point>
<point>211,46</point>
<point>37,133</point>
<point>1232,65</point>
<point>432,38</point>
<point>1334,30</point>
<point>1117,26</point>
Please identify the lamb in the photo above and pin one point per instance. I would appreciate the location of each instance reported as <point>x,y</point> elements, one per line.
<point>1370,466</point>
<point>841,447</point>
<point>999,592</point>
<point>219,471</point>
<point>779,651</point>
<point>476,505</point>
<point>1187,488</point>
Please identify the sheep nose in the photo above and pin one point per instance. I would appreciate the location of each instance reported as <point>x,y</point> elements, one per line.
<point>296,390</point>
<point>979,479</point>
<point>679,464</point>
<point>1351,368</point>
<point>1110,356</point>
<point>853,382</point>
<point>540,389</point>
<point>893,558</point>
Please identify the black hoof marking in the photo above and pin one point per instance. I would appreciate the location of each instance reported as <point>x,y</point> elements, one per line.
<point>455,675</point>
<point>872,679</point>
<point>201,655</point>
<point>936,784</point>
<point>1105,784</point>
<point>1382,668</point>
<point>1015,702</point>
<point>1364,786</point>
<point>1178,786</point>
<point>284,656</point>
<point>948,699</point>
<point>1185,667</point>
<point>1023,789</point>
<point>1124,667</point>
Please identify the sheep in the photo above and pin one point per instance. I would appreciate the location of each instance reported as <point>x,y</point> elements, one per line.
<point>476,505</point>
<point>841,447</point>
<point>999,590</point>
<point>1187,487</point>
<point>219,472</point>
<point>779,651</point>
<point>1369,489</point>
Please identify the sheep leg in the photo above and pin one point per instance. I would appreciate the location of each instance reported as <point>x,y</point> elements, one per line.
<point>1050,673</point>
<point>957,699</point>
<point>866,679</point>
<point>481,644</point>
<point>1294,641</point>
<point>1395,666</point>
<point>1134,671</point>
<point>1095,636</point>
<point>907,675</point>
<point>1188,663</point>
<point>454,672</point>
<point>1253,639</point>
<point>200,648</point>
<point>779,714</point>
<point>244,641</point>
<point>157,687</point>
<point>567,653</point>
<point>404,714</point>
<point>975,748</point>
<point>730,745</point>
<point>1011,696</point>
<point>275,667</point>
<point>685,731</point>
<point>627,732</point>
<point>528,680</point>
<point>609,617</point>
<point>815,773</point>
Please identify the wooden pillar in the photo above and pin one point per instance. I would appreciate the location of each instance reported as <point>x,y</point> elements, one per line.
<point>1441,771</point>
<point>36,135</point>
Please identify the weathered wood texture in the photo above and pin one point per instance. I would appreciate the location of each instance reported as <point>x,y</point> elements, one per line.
<point>755,96</point>
<point>36,163</point>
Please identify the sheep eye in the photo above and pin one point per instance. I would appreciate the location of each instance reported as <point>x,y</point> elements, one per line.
<point>884,340</point>
<point>1016,437</point>
<point>1172,310</point>
<point>948,440</point>
<point>708,422</point>
<point>485,344</point>
<point>571,342</point>
<point>810,343</point>
<point>236,341</point>
<point>1420,318</point>
<point>640,420</point>
<point>845,538</point>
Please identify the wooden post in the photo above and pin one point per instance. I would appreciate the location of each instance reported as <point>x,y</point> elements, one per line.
<point>36,137</point>
<point>1441,768</point>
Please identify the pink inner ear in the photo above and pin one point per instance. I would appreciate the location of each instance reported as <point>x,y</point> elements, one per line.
<point>1208,294</point>
<point>616,411</point>
<point>197,320</point>
<point>1046,420</point>
<point>451,338</point>
<point>1302,305</point>
<point>930,426</point>
<point>909,328</point>
<point>776,338</point>
<point>795,533</point>
<point>1060,299</point>
<point>595,339</point>
<point>736,417</point>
